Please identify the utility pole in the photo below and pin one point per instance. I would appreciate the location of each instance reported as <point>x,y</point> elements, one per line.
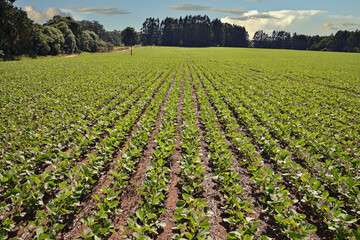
<point>132,37</point>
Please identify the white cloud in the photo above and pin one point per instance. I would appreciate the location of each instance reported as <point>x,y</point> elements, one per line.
<point>268,21</point>
<point>342,23</point>
<point>41,17</point>
<point>107,11</point>
<point>190,7</point>
<point>198,8</point>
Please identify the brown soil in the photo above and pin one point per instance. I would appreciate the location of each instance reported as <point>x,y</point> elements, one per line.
<point>124,49</point>
<point>212,192</point>
<point>78,227</point>
<point>255,196</point>
<point>74,226</point>
<point>173,191</point>
<point>267,225</point>
<point>130,197</point>
<point>71,56</point>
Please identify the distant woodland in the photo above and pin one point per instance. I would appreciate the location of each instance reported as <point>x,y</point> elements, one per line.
<point>199,31</point>
<point>63,35</point>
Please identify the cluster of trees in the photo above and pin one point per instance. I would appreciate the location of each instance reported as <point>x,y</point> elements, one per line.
<point>64,35</point>
<point>192,31</point>
<point>113,37</point>
<point>342,41</point>
<point>15,29</point>
<point>200,31</point>
<point>20,35</point>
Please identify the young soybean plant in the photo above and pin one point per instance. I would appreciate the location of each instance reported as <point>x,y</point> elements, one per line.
<point>237,204</point>
<point>191,213</point>
<point>146,224</point>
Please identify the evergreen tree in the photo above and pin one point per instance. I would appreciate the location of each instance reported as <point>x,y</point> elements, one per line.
<point>150,32</point>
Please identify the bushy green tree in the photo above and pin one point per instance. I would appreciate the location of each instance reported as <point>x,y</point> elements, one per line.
<point>108,47</point>
<point>70,40</point>
<point>16,30</point>
<point>40,41</point>
<point>55,39</point>
<point>129,36</point>
<point>91,42</point>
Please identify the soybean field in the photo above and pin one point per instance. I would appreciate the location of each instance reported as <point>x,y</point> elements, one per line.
<point>181,143</point>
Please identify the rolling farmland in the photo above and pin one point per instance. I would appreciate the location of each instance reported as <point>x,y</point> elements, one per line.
<point>213,143</point>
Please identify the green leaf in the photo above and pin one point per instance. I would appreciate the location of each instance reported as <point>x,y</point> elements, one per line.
<point>204,224</point>
<point>161,224</point>
<point>186,196</point>
<point>180,226</point>
<point>96,229</point>
<point>140,214</point>
<point>12,192</point>
<point>180,204</point>
<point>88,232</point>
<point>357,233</point>
<point>309,227</point>
<point>43,236</point>
<point>350,219</point>
<point>114,204</point>
<point>59,226</point>
<point>188,235</point>
<point>247,237</point>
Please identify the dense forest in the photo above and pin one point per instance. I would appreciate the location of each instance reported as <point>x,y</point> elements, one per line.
<point>199,31</point>
<point>342,41</point>
<point>192,31</point>
<point>21,36</point>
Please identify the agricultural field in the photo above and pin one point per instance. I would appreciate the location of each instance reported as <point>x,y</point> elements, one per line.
<point>181,143</point>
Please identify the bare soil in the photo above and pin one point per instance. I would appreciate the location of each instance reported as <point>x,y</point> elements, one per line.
<point>130,197</point>
<point>172,195</point>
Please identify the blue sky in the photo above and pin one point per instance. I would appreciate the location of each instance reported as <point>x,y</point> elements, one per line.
<point>311,17</point>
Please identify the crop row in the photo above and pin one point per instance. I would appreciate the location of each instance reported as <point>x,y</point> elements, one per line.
<point>311,190</point>
<point>67,184</point>
<point>99,223</point>
<point>145,223</point>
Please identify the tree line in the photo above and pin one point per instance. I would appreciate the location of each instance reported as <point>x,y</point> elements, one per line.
<point>19,35</point>
<point>192,31</point>
<point>342,41</point>
<point>200,31</point>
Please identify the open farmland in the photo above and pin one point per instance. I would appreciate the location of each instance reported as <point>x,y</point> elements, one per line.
<point>181,143</point>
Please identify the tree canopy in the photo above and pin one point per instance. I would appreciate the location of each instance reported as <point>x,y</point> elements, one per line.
<point>342,41</point>
<point>192,31</point>
<point>129,36</point>
<point>20,35</point>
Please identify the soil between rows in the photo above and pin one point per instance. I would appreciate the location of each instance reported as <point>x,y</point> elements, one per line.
<point>322,232</point>
<point>172,194</point>
<point>215,199</point>
<point>73,225</point>
<point>130,197</point>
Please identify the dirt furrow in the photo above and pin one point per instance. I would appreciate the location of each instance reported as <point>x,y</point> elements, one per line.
<point>104,181</point>
<point>256,195</point>
<point>267,225</point>
<point>173,191</point>
<point>87,202</point>
<point>212,193</point>
<point>129,200</point>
